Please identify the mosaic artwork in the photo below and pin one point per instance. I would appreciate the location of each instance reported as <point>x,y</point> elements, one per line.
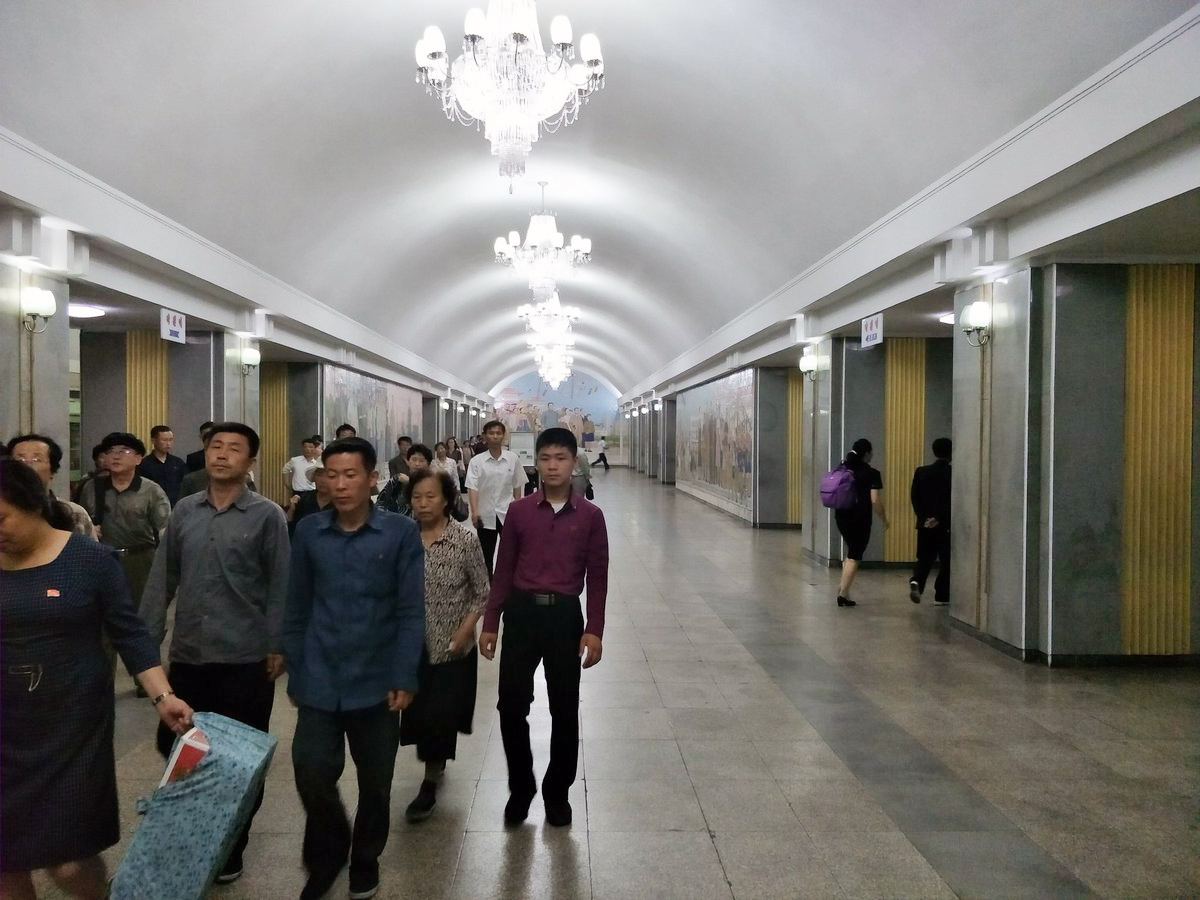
<point>380,410</point>
<point>714,441</point>
<point>580,403</point>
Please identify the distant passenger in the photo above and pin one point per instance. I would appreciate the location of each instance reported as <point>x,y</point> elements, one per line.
<point>855,523</point>
<point>44,456</point>
<point>931,503</point>
<point>495,479</point>
<point>602,459</point>
<point>398,464</point>
<point>295,470</point>
<point>345,430</point>
<point>195,460</point>
<point>161,466</point>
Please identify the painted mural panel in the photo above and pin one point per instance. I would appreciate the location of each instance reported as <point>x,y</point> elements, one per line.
<point>580,403</point>
<point>380,410</point>
<point>714,442</point>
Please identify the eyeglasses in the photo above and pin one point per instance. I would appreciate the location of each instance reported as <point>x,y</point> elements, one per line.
<point>31,460</point>
<point>121,451</point>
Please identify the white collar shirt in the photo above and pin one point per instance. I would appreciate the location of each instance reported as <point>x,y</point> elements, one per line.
<point>296,471</point>
<point>495,478</point>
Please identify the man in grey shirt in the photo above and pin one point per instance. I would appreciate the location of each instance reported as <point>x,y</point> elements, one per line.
<point>224,560</point>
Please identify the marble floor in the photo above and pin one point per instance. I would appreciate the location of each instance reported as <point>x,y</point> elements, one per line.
<point>743,737</point>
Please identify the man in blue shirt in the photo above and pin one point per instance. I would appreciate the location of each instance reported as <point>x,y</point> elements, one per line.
<point>353,633</point>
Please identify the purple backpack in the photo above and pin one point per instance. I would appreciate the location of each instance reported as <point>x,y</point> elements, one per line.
<point>837,489</point>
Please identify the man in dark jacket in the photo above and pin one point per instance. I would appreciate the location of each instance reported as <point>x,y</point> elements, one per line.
<point>931,503</point>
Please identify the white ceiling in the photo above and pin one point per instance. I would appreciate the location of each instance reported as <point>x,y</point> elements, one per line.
<point>734,145</point>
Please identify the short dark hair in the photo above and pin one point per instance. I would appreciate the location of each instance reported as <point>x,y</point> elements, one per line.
<point>97,452</point>
<point>441,444</point>
<point>352,445</point>
<point>346,426</point>
<point>51,445</point>
<point>449,488</point>
<point>404,437</point>
<point>942,448</point>
<point>861,446</point>
<point>316,439</point>
<point>421,449</point>
<point>557,437</point>
<point>241,428</point>
<point>311,439</point>
<point>159,429</point>
<point>495,423</point>
<point>123,439</point>
<point>205,427</point>
<point>21,487</point>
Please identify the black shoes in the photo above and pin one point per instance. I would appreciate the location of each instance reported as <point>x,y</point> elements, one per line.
<point>914,592</point>
<point>845,601</point>
<point>364,880</point>
<point>422,807</point>
<point>516,810</point>
<point>319,883</point>
<point>231,871</point>
<point>558,812</point>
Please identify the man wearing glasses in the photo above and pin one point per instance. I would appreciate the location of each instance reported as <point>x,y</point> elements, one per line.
<point>130,511</point>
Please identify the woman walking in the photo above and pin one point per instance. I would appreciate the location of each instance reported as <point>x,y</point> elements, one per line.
<point>456,590</point>
<point>855,523</point>
<point>60,590</point>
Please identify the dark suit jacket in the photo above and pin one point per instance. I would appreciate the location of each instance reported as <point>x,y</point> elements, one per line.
<point>931,493</point>
<point>195,461</point>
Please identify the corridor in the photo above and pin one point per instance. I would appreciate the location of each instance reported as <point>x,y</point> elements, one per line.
<point>744,737</point>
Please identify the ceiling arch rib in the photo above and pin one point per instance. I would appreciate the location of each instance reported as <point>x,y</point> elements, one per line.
<point>579,369</point>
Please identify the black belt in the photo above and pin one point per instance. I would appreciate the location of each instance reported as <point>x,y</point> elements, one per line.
<point>548,598</point>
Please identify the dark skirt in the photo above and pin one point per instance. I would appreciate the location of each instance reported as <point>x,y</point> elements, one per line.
<point>856,532</point>
<point>443,708</point>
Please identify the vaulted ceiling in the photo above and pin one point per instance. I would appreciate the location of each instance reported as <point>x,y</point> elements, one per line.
<point>734,145</point>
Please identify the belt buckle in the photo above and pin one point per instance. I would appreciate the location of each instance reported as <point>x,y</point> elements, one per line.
<point>544,599</point>
<point>32,672</point>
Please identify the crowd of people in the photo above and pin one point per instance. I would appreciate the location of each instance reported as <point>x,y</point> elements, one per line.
<point>366,595</point>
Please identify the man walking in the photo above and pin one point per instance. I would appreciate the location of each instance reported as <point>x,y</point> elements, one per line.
<point>354,632</point>
<point>931,503</point>
<point>494,479</point>
<point>398,464</point>
<point>554,542</point>
<point>224,560</point>
<point>195,459</point>
<point>603,457</point>
<point>161,466</point>
<point>295,470</point>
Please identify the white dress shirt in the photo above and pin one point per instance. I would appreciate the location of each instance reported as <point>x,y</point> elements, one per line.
<point>495,478</point>
<point>296,469</point>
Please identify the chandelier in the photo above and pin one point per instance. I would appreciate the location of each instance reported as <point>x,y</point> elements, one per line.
<point>544,257</point>
<point>507,81</point>
<point>550,338</point>
<point>554,365</point>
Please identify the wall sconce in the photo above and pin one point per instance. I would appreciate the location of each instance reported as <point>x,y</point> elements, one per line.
<point>445,404</point>
<point>658,406</point>
<point>635,413</point>
<point>627,415</point>
<point>37,307</point>
<point>474,413</point>
<point>251,357</point>
<point>812,362</point>
<point>976,322</point>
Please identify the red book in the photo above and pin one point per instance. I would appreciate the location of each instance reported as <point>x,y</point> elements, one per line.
<point>186,755</point>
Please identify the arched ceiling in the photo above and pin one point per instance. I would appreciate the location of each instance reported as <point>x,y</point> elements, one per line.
<point>734,145</point>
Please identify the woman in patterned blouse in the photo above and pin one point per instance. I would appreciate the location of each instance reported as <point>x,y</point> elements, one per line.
<point>456,589</point>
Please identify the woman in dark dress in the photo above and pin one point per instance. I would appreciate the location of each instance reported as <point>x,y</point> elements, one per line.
<point>855,523</point>
<point>456,590</point>
<point>58,591</point>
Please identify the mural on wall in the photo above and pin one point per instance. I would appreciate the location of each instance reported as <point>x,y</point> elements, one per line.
<point>380,410</point>
<point>714,441</point>
<point>580,403</point>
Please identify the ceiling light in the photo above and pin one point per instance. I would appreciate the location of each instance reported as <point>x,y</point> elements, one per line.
<point>507,81</point>
<point>83,311</point>
<point>947,319</point>
<point>545,256</point>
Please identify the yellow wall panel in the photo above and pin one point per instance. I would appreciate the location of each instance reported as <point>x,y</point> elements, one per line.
<point>145,383</point>
<point>904,440</point>
<point>1156,539</point>
<point>795,447</point>
<point>273,412</point>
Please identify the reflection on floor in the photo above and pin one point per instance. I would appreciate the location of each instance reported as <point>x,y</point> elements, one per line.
<point>744,737</point>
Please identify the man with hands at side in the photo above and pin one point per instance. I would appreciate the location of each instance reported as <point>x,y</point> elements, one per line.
<point>554,541</point>
<point>354,629</point>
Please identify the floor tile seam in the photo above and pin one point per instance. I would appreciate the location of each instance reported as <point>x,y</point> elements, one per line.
<point>953,777</point>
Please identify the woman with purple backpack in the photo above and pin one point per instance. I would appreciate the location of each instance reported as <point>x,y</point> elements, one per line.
<point>854,522</point>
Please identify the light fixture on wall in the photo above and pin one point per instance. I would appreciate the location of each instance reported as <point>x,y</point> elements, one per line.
<point>976,322</point>
<point>474,413</point>
<point>445,404</point>
<point>627,415</point>
<point>545,257</point>
<point>635,413</point>
<point>37,308</point>
<point>658,406</point>
<point>506,80</point>
<point>812,362</point>
<point>251,357</point>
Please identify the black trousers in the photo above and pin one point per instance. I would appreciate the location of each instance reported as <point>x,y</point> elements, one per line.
<point>488,538</point>
<point>602,459</point>
<point>549,635</point>
<point>240,691</point>
<point>933,545</point>
<point>319,757</point>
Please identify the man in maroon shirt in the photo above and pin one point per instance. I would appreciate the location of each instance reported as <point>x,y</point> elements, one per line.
<point>553,539</point>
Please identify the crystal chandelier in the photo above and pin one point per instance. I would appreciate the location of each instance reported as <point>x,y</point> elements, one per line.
<point>554,365</point>
<point>544,257</point>
<point>550,338</point>
<point>506,79</point>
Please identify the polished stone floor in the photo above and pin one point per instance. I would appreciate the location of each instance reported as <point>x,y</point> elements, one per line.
<point>744,737</point>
